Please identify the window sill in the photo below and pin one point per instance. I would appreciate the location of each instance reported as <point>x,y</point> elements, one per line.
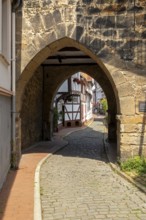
<point>5,92</point>
<point>4,59</point>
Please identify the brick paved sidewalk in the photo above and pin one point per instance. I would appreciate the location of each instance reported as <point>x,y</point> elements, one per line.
<point>17,194</point>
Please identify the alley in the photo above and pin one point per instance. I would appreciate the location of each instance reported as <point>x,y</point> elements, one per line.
<point>77,183</point>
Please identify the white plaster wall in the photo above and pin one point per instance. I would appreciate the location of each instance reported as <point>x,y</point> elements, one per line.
<point>5,137</point>
<point>5,83</point>
<point>5,75</point>
<point>64,87</point>
<point>5,44</point>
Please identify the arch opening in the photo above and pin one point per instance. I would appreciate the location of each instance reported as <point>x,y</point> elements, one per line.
<point>37,87</point>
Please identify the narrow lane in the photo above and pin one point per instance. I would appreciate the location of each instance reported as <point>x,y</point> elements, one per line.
<point>78,184</point>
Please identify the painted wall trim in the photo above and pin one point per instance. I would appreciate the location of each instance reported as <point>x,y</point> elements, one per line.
<point>5,92</point>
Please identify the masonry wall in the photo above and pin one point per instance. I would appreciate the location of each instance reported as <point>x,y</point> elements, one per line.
<point>114,31</point>
<point>106,27</point>
<point>31,114</point>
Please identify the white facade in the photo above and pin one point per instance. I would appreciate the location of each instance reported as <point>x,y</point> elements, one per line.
<point>75,100</point>
<point>6,93</point>
<point>98,93</point>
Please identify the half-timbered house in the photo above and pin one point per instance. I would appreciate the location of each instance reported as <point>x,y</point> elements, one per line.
<point>74,100</point>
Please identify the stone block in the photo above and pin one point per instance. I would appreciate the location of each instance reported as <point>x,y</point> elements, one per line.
<point>61,30</point>
<point>93,10</point>
<point>130,128</point>
<point>133,128</point>
<point>57,16</point>
<point>127,105</point>
<point>70,29</point>
<point>109,33</point>
<point>123,33</point>
<point>104,22</point>
<point>48,21</point>
<point>136,119</point>
<point>78,32</point>
<point>97,44</point>
<point>118,76</point>
<point>87,1</point>
<point>125,90</point>
<point>129,151</point>
<point>126,139</point>
<point>139,150</point>
<point>125,152</point>
<point>133,138</point>
<point>136,9</point>
<point>36,19</point>
<point>141,79</point>
<point>124,21</point>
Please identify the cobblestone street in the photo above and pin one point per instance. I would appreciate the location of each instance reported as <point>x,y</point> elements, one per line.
<point>77,183</point>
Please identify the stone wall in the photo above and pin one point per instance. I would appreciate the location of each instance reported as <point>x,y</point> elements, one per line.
<point>31,114</point>
<point>106,27</point>
<point>112,32</point>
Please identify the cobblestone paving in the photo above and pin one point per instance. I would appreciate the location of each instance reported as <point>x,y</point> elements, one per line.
<point>78,184</point>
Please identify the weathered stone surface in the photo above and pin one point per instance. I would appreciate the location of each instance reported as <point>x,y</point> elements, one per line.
<point>131,128</point>
<point>70,29</point>
<point>118,76</point>
<point>57,16</point>
<point>113,31</point>
<point>92,10</point>
<point>119,26</point>
<point>87,1</point>
<point>104,53</point>
<point>129,151</point>
<point>133,139</point>
<point>61,30</point>
<point>114,43</point>
<point>109,33</point>
<point>31,113</point>
<point>105,22</point>
<point>48,21</point>
<point>125,90</point>
<point>97,44</point>
<point>137,119</point>
<point>141,79</point>
<point>127,105</point>
<point>126,151</point>
<point>126,34</point>
<point>78,32</point>
<point>36,19</point>
<point>143,34</point>
<point>136,9</point>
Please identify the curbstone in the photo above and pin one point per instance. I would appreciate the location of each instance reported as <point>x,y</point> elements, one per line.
<point>116,168</point>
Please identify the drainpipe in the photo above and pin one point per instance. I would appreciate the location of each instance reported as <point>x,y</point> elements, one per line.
<point>15,155</point>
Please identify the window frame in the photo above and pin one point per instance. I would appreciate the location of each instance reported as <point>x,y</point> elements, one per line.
<point>0,26</point>
<point>5,37</point>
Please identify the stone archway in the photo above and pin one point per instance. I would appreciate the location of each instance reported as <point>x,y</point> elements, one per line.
<point>113,80</point>
<point>113,32</point>
<point>49,50</point>
<point>100,73</point>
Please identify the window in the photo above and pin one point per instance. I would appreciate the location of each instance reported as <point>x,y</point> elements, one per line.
<point>5,29</point>
<point>0,26</point>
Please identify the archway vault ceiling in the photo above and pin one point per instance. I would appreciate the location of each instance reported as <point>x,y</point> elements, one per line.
<point>69,56</point>
<point>68,52</point>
